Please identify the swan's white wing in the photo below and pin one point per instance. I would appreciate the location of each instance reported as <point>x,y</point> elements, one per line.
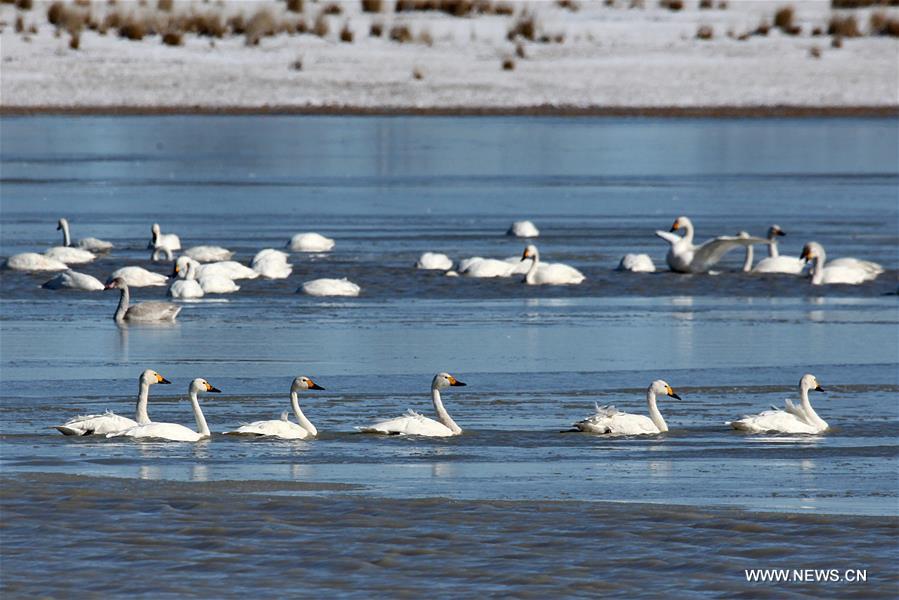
<point>162,431</point>
<point>96,424</point>
<point>854,263</point>
<point>712,251</point>
<point>610,421</point>
<point>847,275</point>
<point>780,264</point>
<point>774,421</point>
<point>671,238</point>
<point>411,423</point>
<point>94,244</point>
<point>283,429</point>
<point>795,410</point>
<point>636,263</point>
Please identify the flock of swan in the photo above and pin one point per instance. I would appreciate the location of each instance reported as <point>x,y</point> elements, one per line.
<point>607,420</point>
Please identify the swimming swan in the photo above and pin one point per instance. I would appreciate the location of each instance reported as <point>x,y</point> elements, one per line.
<point>685,257</point>
<point>775,263</point>
<point>111,422</point>
<point>794,419</point>
<point>413,423</point>
<point>74,280</point>
<point>523,229</point>
<point>173,431</point>
<point>272,264</point>
<point>310,242</point>
<point>330,287</point>
<point>89,243</point>
<point>70,256</point>
<point>850,271</point>
<point>139,277</point>
<point>608,420</point>
<point>32,261</point>
<point>143,312</point>
<point>479,267</point>
<point>206,254</point>
<point>166,243</point>
<point>227,268</point>
<point>284,429</point>
<point>209,283</point>
<point>434,261</point>
<point>636,263</point>
<point>550,274</point>
<point>185,286</point>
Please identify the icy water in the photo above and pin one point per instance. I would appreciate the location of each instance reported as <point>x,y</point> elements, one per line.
<point>515,505</point>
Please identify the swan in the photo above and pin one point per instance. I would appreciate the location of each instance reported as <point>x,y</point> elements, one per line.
<point>70,256</point>
<point>89,243</point>
<point>310,242</point>
<point>163,241</point>
<point>636,263</point>
<point>330,287</point>
<point>185,286</point>
<point>138,277</point>
<point>551,274</point>
<point>205,254</point>
<point>434,261</point>
<point>283,428</point>
<point>794,419</point>
<point>111,422</point>
<point>750,253</point>
<point>523,229</point>
<point>477,266</point>
<point>842,270</point>
<point>32,261</point>
<point>775,263</point>
<point>209,283</point>
<point>608,420</point>
<point>685,257</point>
<point>272,264</point>
<point>145,311</point>
<point>74,280</point>
<point>413,423</point>
<point>228,268</point>
<point>173,431</point>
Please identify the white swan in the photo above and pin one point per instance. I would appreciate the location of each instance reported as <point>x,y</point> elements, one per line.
<point>685,257</point>
<point>636,263</point>
<point>209,283</point>
<point>74,280</point>
<point>185,286</point>
<point>550,274</point>
<point>70,256</point>
<point>228,268</point>
<point>775,263</point>
<point>608,420</point>
<point>523,229</point>
<point>111,422</point>
<point>330,287</point>
<point>206,254</point>
<point>143,312</point>
<point>32,261</point>
<point>750,253</point>
<point>272,264</point>
<point>173,431</point>
<point>413,423</point>
<point>434,261</point>
<point>163,241</point>
<point>477,266</point>
<point>794,419</point>
<point>138,277</point>
<point>850,271</point>
<point>89,243</point>
<point>310,242</point>
<point>283,428</point>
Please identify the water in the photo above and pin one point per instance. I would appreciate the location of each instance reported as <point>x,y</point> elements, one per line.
<point>513,506</point>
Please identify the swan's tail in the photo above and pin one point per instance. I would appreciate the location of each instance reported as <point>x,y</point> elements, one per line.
<point>66,430</point>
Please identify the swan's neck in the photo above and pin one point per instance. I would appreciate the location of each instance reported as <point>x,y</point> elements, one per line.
<point>747,264</point>
<point>66,240</point>
<point>442,415</point>
<point>772,246</point>
<point>818,269</point>
<point>532,273</point>
<point>654,413</point>
<point>191,271</point>
<point>304,422</point>
<point>143,396</point>
<point>124,299</point>
<point>688,232</point>
<point>813,417</point>
<point>202,427</point>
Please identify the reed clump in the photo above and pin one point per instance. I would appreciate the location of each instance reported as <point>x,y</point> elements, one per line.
<point>846,27</point>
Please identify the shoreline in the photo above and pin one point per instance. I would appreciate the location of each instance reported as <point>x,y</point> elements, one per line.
<point>667,112</point>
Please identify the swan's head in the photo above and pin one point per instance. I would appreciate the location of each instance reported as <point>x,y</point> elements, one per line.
<point>810,382</point>
<point>151,377</point>
<point>812,251</point>
<point>304,383</point>
<point>659,387</point>
<point>62,224</point>
<point>679,223</point>
<point>529,252</point>
<point>775,231</point>
<point>116,283</point>
<point>743,234</point>
<point>445,380</point>
<point>182,264</point>
<point>201,385</point>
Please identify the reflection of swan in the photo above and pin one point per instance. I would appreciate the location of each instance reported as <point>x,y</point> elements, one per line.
<point>434,261</point>
<point>608,420</point>
<point>310,242</point>
<point>145,311</point>
<point>550,274</point>
<point>685,257</point>
<point>330,287</point>
<point>523,229</point>
<point>167,242</point>
<point>138,277</point>
<point>272,264</point>
<point>209,283</point>
<point>174,431</point>
<point>185,286</point>
<point>32,261</point>
<point>89,243</point>
<point>795,419</point>
<point>285,429</point>
<point>775,263</point>
<point>413,423</point>
<point>111,422</point>
<point>205,254</point>
<point>841,270</point>
<point>636,263</point>
<point>74,280</point>
<point>70,256</point>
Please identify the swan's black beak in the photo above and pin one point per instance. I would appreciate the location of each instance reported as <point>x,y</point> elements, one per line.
<point>163,380</point>
<point>780,233</point>
<point>214,390</point>
<point>818,388</point>
<point>175,271</point>
<point>672,393</point>
<point>58,227</point>
<point>315,386</point>
<point>674,227</point>
<point>457,382</point>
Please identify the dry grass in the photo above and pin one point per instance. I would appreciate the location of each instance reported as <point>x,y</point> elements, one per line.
<point>508,64</point>
<point>20,24</point>
<point>417,74</point>
<point>400,33</point>
<point>846,27</point>
<point>519,51</point>
<point>815,52</point>
<point>783,20</point>
<point>295,6</point>
<point>376,29</point>
<point>373,6</point>
<point>321,27</point>
<point>882,24</point>
<point>165,6</point>
<point>55,13</point>
<point>836,42</point>
<point>132,29</point>
<point>525,27</point>
<point>260,25</point>
<point>75,41</point>
<point>297,65</point>
<point>346,34</point>
<point>862,3</point>
<point>705,32</point>
<point>568,5</point>
<point>817,31</point>
<point>237,24</point>
<point>204,24</point>
<point>706,4</point>
<point>332,9</point>
<point>425,37</point>
<point>763,28</point>
<point>172,38</point>
<point>673,5</point>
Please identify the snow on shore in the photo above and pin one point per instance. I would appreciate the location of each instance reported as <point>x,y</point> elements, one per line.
<point>610,57</point>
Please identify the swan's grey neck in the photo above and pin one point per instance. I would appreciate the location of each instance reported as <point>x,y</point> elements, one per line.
<point>304,422</point>
<point>813,417</point>
<point>66,240</point>
<point>747,264</point>
<point>654,413</point>
<point>442,415</point>
<point>202,427</point>
<point>532,272</point>
<point>143,396</point>
<point>124,299</point>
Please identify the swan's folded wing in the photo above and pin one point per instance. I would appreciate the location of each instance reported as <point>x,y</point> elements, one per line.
<point>671,238</point>
<point>712,251</point>
<point>796,411</point>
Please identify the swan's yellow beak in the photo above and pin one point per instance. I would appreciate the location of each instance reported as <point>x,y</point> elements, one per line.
<point>806,255</point>
<point>214,390</point>
<point>676,225</point>
<point>161,379</point>
<point>670,391</point>
<point>454,381</point>
<point>526,255</point>
<point>818,387</point>
<point>314,386</point>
